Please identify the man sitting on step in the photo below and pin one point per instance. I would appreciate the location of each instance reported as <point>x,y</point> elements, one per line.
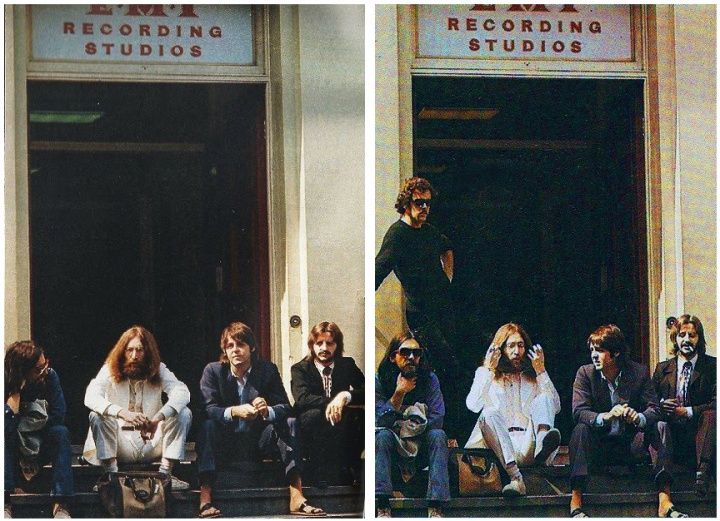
<point>409,413</point>
<point>686,385</point>
<point>128,421</point>
<point>247,412</point>
<point>35,430</point>
<point>323,384</point>
<point>517,403</point>
<point>613,403</point>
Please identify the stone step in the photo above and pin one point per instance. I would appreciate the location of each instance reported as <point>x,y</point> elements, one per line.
<point>257,502</point>
<point>614,492</point>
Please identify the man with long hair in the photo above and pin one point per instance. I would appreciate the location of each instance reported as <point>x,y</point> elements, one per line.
<point>686,386</point>
<point>517,403</point>
<point>613,403</point>
<point>422,259</point>
<point>404,380</point>
<point>32,385</point>
<point>128,421</point>
<point>323,384</point>
<point>247,413</point>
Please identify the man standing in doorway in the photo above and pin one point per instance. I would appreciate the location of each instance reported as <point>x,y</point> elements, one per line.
<point>422,259</point>
<point>686,386</point>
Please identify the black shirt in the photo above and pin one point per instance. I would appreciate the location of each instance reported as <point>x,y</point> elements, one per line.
<point>414,255</point>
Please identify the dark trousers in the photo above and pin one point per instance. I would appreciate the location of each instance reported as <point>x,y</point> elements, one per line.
<point>437,337</point>
<point>433,453</point>
<point>691,442</point>
<point>591,448</point>
<point>219,443</point>
<point>55,448</point>
<point>328,447</point>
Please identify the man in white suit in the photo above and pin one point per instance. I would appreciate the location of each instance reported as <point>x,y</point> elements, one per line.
<point>517,403</point>
<point>128,422</point>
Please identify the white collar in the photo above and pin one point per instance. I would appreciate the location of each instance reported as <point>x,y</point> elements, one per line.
<point>320,367</point>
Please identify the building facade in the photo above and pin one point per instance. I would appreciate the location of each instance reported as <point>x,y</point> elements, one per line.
<point>182,167</point>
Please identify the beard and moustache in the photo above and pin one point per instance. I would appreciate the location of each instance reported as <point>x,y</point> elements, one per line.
<point>687,349</point>
<point>506,366</point>
<point>135,370</point>
<point>410,370</point>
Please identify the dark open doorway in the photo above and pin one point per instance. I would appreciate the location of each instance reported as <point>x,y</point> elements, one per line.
<point>148,206</point>
<point>541,190</point>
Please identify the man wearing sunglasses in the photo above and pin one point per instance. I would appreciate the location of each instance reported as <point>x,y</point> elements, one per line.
<point>30,381</point>
<point>403,381</point>
<point>422,259</point>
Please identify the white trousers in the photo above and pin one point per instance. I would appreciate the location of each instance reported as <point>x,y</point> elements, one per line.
<point>129,447</point>
<point>517,446</point>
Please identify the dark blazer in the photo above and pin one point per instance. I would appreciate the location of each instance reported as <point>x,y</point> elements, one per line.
<point>591,395</point>
<point>307,385</point>
<point>219,389</point>
<point>50,390</point>
<point>701,390</point>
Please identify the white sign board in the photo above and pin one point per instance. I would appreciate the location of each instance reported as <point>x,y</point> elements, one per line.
<point>178,33</point>
<point>568,32</point>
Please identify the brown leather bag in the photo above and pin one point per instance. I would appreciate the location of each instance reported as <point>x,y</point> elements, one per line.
<point>478,473</point>
<point>135,493</point>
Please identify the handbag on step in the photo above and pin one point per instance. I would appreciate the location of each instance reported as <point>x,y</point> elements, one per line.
<point>135,493</point>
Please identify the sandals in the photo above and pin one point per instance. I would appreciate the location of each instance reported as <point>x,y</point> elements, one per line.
<point>306,510</point>
<point>578,512</point>
<point>208,511</point>
<point>671,512</point>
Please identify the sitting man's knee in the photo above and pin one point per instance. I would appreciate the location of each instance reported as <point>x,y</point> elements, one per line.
<point>59,433</point>
<point>437,437</point>
<point>311,418</point>
<point>384,438</point>
<point>99,419</point>
<point>185,416</point>
<point>489,415</point>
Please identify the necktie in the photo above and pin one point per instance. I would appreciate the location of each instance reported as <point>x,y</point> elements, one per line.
<point>243,425</point>
<point>327,380</point>
<point>685,377</point>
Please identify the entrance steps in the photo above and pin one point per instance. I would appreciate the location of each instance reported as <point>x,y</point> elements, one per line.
<point>243,490</point>
<point>616,492</point>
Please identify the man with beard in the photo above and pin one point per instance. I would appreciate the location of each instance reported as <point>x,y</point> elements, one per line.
<point>422,259</point>
<point>29,380</point>
<point>128,422</point>
<point>686,386</point>
<point>247,412</point>
<point>404,380</point>
<point>608,395</point>
<point>323,384</point>
<point>517,403</point>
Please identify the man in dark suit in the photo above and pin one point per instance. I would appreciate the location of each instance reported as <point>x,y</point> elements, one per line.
<point>323,384</point>
<point>246,409</point>
<point>613,403</point>
<point>686,386</point>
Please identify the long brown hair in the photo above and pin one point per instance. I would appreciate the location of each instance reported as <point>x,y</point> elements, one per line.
<point>500,339</point>
<point>116,358</point>
<point>20,358</point>
<point>325,327</point>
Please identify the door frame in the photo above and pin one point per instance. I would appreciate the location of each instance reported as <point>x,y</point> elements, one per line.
<point>655,299</point>
<point>277,199</point>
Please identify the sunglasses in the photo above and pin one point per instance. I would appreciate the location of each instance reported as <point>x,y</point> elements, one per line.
<point>410,352</point>
<point>422,203</point>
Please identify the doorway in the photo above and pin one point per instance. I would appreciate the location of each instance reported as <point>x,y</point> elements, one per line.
<point>541,190</point>
<point>147,206</point>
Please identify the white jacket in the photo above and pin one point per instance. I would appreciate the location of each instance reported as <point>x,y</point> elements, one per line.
<point>488,392</point>
<point>107,397</point>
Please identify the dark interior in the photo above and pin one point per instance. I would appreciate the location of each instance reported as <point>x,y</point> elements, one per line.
<point>155,214</point>
<point>544,204</point>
